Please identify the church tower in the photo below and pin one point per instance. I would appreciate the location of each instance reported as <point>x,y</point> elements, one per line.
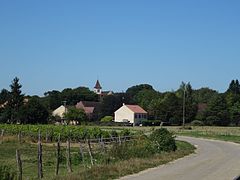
<point>98,88</point>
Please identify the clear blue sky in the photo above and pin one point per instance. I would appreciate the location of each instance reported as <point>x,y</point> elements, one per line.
<point>54,44</point>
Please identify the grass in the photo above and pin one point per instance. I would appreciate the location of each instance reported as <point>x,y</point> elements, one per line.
<point>231,134</point>
<point>131,166</point>
<point>102,170</point>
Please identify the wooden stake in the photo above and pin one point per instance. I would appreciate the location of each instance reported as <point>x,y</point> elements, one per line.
<point>119,140</point>
<point>40,171</point>
<point>58,156</point>
<point>90,151</point>
<point>81,151</point>
<point>2,133</point>
<point>19,165</point>
<point>69,165</point>
<point>20,137</point>
<point>46,136</point>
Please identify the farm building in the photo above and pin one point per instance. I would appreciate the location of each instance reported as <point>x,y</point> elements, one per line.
<point>91,108</point>
<point>133,114</point>
<point>60,111</point>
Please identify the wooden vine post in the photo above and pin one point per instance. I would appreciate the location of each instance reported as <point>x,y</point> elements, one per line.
<point>40,170</point>
<point>69,165</point>
<point>90,151</point>
<point>20,137</point>
<point>19,165</point>
<point>2,133</point>
<point>58,156</point>
<point>81,151</point>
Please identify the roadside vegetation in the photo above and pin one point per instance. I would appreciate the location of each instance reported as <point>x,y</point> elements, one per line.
<point>231,134</point>
<point>117,159</point>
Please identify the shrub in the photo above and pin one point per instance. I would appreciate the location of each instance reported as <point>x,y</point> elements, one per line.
<point>107,119</point>
<point>6,173</point>
<point>163,140</point>
<point>197,123</point>
<point>139,148</point>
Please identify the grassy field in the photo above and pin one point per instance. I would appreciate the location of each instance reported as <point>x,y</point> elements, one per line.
<point>100,170</point>
<point>211,132</point>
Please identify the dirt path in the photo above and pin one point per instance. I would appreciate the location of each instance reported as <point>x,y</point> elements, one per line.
<point>214,160</point>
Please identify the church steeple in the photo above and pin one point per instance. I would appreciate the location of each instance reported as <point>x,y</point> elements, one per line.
<point>98,88</point>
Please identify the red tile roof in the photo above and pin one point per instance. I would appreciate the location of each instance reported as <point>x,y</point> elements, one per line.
<point>136,109</point>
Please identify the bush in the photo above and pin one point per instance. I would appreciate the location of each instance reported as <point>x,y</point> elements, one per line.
<point>197,123</point>
<point>140,148</point>
<point>6,173</point>
<point>163,140</point>
<point>107,119</point>
<point>151,122</point>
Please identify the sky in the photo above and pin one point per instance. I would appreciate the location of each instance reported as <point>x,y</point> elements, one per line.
<point>52,45</point>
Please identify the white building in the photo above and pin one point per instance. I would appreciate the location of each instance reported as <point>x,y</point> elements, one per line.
<point>133,114</point>
<point>60,111</point>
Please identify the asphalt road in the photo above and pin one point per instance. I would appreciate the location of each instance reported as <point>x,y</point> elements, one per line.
<point>213,160</point>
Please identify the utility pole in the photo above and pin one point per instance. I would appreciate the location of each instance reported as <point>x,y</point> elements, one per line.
<point>184,104</point>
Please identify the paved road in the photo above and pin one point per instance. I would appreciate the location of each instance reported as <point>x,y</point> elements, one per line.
<point>214,160</point>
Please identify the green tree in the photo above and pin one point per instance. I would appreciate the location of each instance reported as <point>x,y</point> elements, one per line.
<point>145,97</point>
<point>33,112</point>
<point>52,99</point>
<point>190,106</point>
<point>217,113</point>
<point>76,115</point>
<point>169,109</point>
<point>234,87</point>
<point>235,113</point>
<point>4,96</point>
<point>134,90</point>
<point>203,95</point>
<point>15,101</point>
<point>109,105</point>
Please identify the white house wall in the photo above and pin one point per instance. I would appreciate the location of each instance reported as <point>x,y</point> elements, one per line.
<point>123,114</point>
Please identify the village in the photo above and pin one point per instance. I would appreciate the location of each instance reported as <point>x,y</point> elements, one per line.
<point>131,114</point>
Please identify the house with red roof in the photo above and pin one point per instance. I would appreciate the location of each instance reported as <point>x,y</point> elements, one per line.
<point>90,108</point>
<point>133,114</point>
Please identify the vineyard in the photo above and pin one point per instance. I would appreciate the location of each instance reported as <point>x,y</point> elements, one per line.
<point>51,133</point>
<point>59,152</point>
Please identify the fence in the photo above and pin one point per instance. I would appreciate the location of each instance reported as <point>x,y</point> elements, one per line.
<point>88,152</point>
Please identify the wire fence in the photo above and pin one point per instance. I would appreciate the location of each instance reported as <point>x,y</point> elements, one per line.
<point>55,158</point>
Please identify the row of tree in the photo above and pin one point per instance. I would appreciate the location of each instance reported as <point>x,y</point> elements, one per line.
<point>205,105</point>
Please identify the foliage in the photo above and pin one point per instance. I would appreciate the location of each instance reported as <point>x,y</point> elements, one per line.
<point>140,148</point>
<point>109,105</point>
<point>15,101</point>
<point>53,99</point>
<point>53,132</point>
<point>75,114</point>
<point>107,119</point>
<point>6,173</point>
<point>203,95</point>
<point>197,123</point>
<point>4,96</point>
<point>134,90</point>
<point>34,112</point>
<point>216,113</point>
<point>163,140</point>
